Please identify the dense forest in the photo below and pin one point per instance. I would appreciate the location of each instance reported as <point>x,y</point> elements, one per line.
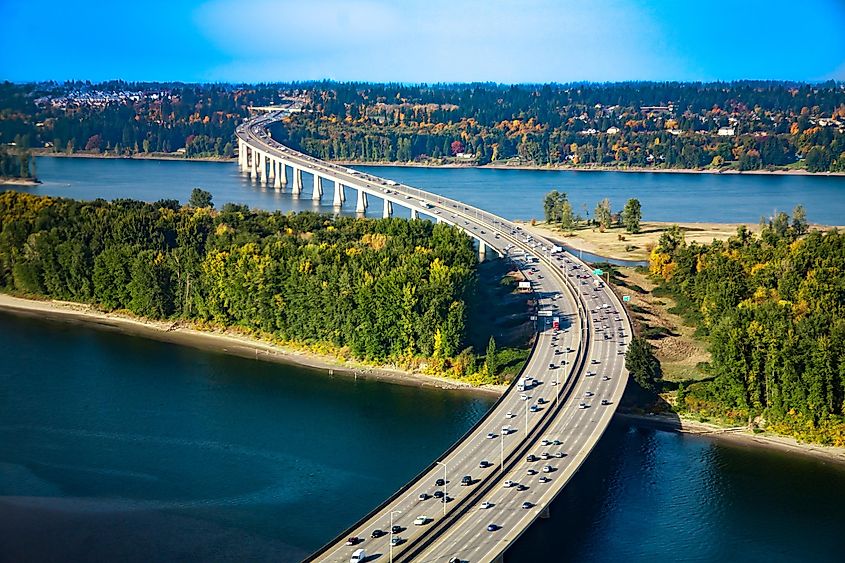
<point>744,125</point>
<point>16,163</point>
<point>383,290</point>
<point>773,309</point>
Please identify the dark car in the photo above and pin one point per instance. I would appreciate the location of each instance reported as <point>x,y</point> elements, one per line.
<point>439,483</point>
<point>492,527</point>
<point>438,494</point>
<point>531,457</point>
<point>395,529</point>
<point>377,533</point>
<point>466,480</point>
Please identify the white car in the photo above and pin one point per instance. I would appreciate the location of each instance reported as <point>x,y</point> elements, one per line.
<point>582,405</point>
<point>524,397</point>
<point>507,484</point>
<point>510,415</point>
<point>588,394</point>
<point>490,435</point>
<point>486,504</point>
<point>421,521</point>
<point>548,469</point>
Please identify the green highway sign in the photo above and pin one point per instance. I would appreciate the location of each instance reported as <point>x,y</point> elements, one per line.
<point>626,298</point>
<point>598,271</point>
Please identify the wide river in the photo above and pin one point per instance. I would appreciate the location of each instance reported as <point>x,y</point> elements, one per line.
<point>119,448</point>
<point>514,194</point>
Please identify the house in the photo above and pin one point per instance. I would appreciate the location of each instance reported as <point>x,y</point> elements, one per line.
<point>612,130</point>
<point>726,132</point>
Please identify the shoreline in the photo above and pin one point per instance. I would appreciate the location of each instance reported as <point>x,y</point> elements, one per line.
<point>738,435</point>
<point>228,343</point>
<point>28,182</point>
<point>250,347</point>
<point>547,168</point>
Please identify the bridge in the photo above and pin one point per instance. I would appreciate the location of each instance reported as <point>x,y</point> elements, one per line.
<point>478,497</point>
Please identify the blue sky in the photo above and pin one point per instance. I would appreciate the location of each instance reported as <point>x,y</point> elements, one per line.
<point>422,40</point>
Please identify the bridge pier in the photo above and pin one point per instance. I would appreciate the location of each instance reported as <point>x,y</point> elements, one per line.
<point>499,558</point>
<point>278,171</point>
<point>338,194</point>
<point>283,174</point>
<point>242,156</point>
<point>361,207</point>
<point>317,193</point>
<point>271,176</point>
<point>262,168</point>
<point>546,513</point>
<point>388,209</point>
<point>297,180</point>
<point>415,214</point>
<point>482,250</point>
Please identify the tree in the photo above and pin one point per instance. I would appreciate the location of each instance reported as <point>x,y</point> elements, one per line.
<point>553,206</point>
<point>799,220</point>
<point>642,364</point>
<point>631,215</point>
<point>456,147</point>
<point>490,359</point>
<point>200,198</point>
<point>567,218</point>
<point>602,214</point>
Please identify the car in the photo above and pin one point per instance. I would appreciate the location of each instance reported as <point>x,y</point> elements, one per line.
<point>454,560</point>
<point>377,533</point>
<point>359,556</point>
<point>507,429</point>
<point>541,401</point>
<point>594,361</point>
<point>551,365</point>
<point>490,435</point>
<point>423,496</point>
<point>508,484</point>
<point>526,505</point>
<point>557,442</point>
<point>395,529</point>
<point>396,540</point>
<point>582,405</point>
<point>605,402</point>
<point>545,455</point>
<point>590,373</point>
<point>438,494</point>
<point>548,469</point>
<point>492,527</point>
<point>486,504</point>
<point>524,397</point>
<point>534,408</point>
<point>466,480</point>
<point>605,378</point>
<point>531,458</point>
<point>484,464</point>
<point>510,415</point>
<point>353,540</point>
<point>439,483</point>
<point>421,520</point>
<point>532,472</point>
<point>559,454</point>
<point>588,393</point>
<point>543,479</point>
<point>521,487</point>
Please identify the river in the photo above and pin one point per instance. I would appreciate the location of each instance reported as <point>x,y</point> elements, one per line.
<point>119,448</point>
<point>115,447</point>
<point>513,194</point>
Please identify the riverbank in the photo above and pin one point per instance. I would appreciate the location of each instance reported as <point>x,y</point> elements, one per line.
<point>228,343</point>
<point>738,435</point>
<point>616,244</point>
<point>570,168</point>
<point>19,182</point>
<point>144,156</point>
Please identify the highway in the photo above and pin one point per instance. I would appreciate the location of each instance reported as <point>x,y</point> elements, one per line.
<point>577,368</point>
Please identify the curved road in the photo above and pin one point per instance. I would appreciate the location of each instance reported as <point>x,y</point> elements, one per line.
<point>580,378</point>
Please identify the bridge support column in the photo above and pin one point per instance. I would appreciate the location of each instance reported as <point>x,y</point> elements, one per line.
<point>283,174</point>
<point>361,207</point>
<point>277,174</point>
<point>317,194</point>
<point>482,250</point>
<point>338,194</point>
<point>262,168</point>
<point>546,513</point>
<point>414,214</point>
<point>297,180</point>
<point>242,156</point>
<point>271,176</point>
<point>388,209</point>
<point>253,164</point>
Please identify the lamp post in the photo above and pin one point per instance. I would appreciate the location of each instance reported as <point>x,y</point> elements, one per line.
<point>444,486</point>
<point>502,451</point>
<point>391,532</point>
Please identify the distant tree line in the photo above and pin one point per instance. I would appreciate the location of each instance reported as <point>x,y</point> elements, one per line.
<point>745,125</point>
<point>557,211</point>
<point>385,290</point>
<point>773,309</point>
<point>16,163</point>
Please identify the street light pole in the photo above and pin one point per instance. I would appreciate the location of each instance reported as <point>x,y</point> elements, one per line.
<point>391,532</point>
<point>502,448</point>
<point>444,486</point>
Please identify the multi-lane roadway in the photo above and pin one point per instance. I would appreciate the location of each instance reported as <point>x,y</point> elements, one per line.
<point>490,492</point>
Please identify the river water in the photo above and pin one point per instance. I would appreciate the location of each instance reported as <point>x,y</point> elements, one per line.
<point>513,194</point>
<point>120,448</point>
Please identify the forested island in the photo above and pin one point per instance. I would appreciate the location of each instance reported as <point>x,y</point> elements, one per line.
<point>730,126</point>
<point>385,291</point>
<point>772,309</point>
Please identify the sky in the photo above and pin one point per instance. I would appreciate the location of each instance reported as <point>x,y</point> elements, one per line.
<point>422,40</point>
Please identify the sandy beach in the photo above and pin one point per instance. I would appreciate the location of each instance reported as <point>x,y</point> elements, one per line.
<point>228,343</point>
